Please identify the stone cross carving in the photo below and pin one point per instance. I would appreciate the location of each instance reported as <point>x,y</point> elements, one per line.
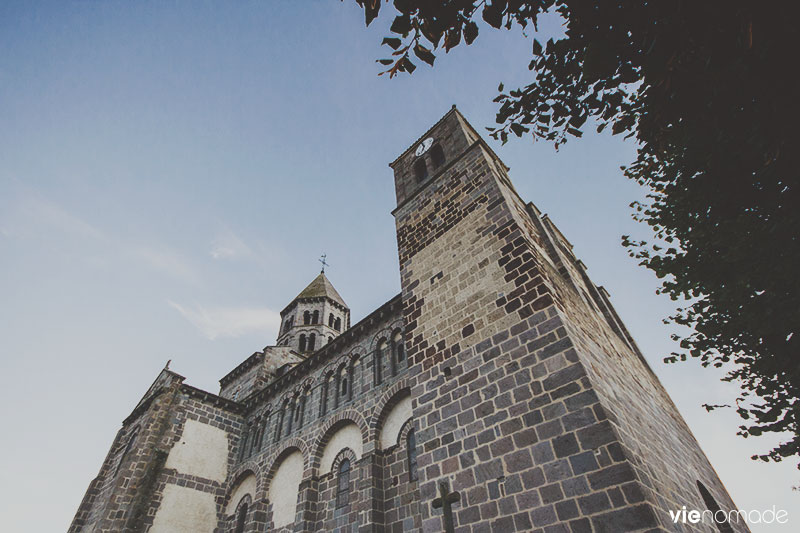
<point>445,500</point>
<point>324,263</point>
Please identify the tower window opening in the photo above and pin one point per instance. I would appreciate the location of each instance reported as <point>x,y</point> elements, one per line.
<point>315,319</point>
<point>420,169</point>
<point>302,343</point>
<point>306,318</point>
<point>344,386</point>
<point>337,324</point>
<point>437,156</point>
<point>330,320</point>
<point>311,340</point>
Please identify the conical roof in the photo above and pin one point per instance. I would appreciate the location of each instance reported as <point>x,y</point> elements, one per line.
<point>321,287</point>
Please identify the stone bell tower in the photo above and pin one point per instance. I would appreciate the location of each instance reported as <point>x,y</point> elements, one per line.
<point>314,317</point>
<point>530,398</point>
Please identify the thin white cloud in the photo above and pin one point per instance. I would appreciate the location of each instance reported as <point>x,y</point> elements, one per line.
<point>219,322</point>
<point>165,261</point>
<point>228,245</point>
<point>36,215</point>
<point>28,215</point>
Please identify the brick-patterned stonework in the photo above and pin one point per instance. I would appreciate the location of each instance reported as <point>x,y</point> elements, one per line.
<point>501,359</point>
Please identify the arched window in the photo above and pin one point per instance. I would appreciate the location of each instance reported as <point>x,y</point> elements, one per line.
<point>241,517</point>
<point>302,343</point>
<point>343,488</point>
<point>437,156</point>
<point>713,506</point>
<point>311,341</point>
<point>400,351</point>
<point>337,324</point>
<point>306,317</point>
<point>256,436</point>
<point>379,351</point>
<point>330,320</point>
<point>279,426</point>
<point>315,320</point>
<point>344,384</point>
<point>411,450</point>
<point>323,397</point>
<point>420,169</point>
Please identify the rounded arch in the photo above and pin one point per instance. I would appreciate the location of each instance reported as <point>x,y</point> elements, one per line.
<point>384,334</point>
<point>240,513</point>
<point>292,445</point>
<point>344,453</point>
<point>244,485</point>
<point>394,395</point>
<point>336,422</point>
<point>283,481</point>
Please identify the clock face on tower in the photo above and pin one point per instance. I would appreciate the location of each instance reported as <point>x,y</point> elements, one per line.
<point>423,146</point>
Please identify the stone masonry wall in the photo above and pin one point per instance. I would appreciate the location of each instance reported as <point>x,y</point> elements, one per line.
<point>499,342</point>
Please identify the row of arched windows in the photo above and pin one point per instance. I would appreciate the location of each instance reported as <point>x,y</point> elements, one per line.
<point>394,349</point>
<point>311,318</point>
<point>288,324</point>
<point>343,487</point>
<point>437,160</point>
<point>336,389</point>
<point>308,344</point>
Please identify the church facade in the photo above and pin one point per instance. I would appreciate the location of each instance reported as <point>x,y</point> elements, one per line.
<point>499,391</point>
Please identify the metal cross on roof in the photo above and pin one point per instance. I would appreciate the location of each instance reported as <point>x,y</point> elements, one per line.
<point>322,260</point>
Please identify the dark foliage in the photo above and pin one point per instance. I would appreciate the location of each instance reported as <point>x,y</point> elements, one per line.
<point>709,91</point>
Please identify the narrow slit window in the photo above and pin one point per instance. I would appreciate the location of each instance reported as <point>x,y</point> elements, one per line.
<point>411,449</point>
<point>343,489</point>
<point>437,156</point>
<point>420,169</point>
<point>241,517</point>
<point>302,343</point>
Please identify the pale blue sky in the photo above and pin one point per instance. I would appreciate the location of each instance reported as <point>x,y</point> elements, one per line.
<point>171,171</point>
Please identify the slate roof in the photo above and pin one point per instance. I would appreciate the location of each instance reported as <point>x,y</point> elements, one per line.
<point>321,287</point>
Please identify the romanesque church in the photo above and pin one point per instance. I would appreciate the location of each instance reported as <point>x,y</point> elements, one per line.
<point>499,391</point>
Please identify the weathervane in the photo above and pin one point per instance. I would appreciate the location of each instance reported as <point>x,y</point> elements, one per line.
<point>324,263</point>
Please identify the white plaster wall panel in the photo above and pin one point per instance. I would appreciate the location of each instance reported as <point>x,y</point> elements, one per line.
<point>245,487</point>
<point>201,451</point>
<point>284,488</point>
<point>348,436</point>
<point>185,510</point>
<point>398,416</point>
